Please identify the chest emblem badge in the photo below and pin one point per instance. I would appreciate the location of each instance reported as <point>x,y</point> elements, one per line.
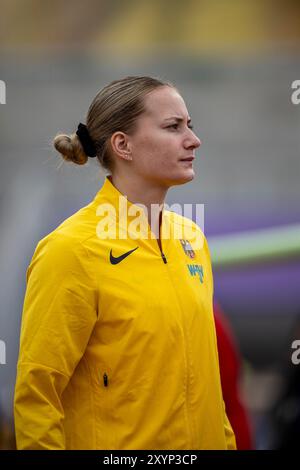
<point>187,248</point>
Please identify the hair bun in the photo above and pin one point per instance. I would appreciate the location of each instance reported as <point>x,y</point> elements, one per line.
<point>70,148</point>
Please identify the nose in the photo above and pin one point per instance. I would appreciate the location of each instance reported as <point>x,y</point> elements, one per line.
<point>192,140</point>
<point>198,142</point>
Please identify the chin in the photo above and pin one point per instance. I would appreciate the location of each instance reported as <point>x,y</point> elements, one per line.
<point>181,179</point>
<point>185,178</point>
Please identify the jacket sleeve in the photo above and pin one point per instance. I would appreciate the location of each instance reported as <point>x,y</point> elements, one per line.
<point>228,431</point>
<point>229,434</point>
<point>59,313</point>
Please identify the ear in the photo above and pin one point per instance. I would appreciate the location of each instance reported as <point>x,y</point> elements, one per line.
<point>120,145</point>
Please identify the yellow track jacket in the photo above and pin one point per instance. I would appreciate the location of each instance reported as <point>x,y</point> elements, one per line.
<point>118,345</point>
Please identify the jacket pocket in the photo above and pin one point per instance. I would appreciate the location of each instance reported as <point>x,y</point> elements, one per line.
<point>101,378</point>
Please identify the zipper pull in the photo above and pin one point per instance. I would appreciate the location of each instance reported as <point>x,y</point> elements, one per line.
<point>163,257</point>
<point>105,380</point>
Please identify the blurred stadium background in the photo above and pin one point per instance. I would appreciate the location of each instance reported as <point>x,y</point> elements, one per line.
<point>234,62</point>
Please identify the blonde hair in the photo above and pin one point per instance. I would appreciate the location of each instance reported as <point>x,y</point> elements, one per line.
<point>115,108</point>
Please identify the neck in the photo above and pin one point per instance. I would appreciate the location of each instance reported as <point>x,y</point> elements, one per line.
<point>143,192</point>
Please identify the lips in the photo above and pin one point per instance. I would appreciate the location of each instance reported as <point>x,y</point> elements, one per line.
<point>188,159</point>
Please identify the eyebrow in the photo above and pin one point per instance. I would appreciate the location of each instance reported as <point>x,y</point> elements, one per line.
<point>178,119</point>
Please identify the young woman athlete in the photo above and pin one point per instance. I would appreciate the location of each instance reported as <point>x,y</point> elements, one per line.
<point>118,345</point>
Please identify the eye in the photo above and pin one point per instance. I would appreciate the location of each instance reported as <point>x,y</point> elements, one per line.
<point>175,126</point>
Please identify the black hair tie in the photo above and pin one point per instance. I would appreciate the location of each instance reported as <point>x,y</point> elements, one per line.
<point>86,141</point>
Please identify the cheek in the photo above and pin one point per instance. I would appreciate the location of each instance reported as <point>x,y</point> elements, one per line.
<point>159,152</point>
<point>160,157</point>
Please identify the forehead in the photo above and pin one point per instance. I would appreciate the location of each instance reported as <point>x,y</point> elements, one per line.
<point>164,102</point>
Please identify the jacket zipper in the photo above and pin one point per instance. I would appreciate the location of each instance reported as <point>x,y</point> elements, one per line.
<point>187,360</point>
<point>160,247</point>
<point>105,380</point>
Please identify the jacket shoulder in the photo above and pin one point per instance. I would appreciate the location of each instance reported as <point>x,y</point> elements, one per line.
<point>176,218</point>
<point>186,229</point>
<point>71,232</point>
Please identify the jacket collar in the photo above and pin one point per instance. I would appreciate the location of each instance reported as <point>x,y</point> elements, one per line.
<point>109,194</point>
<point>110,201</point>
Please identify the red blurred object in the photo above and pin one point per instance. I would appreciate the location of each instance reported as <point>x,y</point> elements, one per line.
<point>230,366</point>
